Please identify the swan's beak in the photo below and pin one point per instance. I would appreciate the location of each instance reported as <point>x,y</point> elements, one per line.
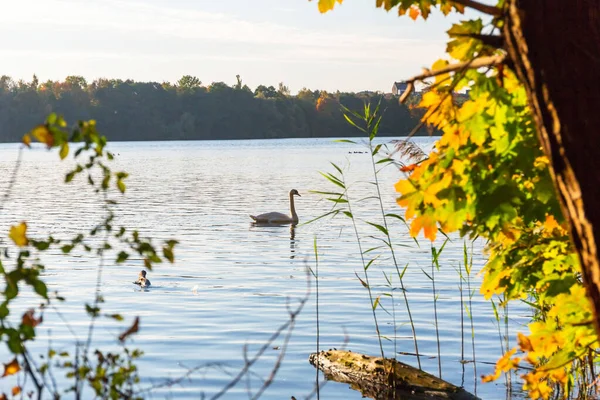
<point>298,194</point>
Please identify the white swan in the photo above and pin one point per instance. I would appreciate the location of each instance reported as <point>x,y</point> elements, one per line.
<point>279,218</point>
<point>142,281</point>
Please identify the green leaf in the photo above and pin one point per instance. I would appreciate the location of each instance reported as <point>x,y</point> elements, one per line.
<point>122,257</point>
<point>395,216</point>
<point>11,291</point>
<point>92,310</point>
<point>116,317</point>
<point>376,302</point>
<point>168,253</point>
<point>381,228</point>
<point>69,177</point>
<point>326,193</point>
<point>345,141</point>
<point>427,275</point>
<point>333,179</point>
<point>376,150</point>
<point>4,311</point>
<point>403,271</point>
<point>64,150</point>
<point>361,281</point>
<point>121,185</point>
<point>40,288</point>
<point>337,168</point>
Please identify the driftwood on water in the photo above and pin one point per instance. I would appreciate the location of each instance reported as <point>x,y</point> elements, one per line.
<point>382,378</point>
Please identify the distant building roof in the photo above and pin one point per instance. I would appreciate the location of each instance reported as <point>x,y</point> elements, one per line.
<point>399,87</point>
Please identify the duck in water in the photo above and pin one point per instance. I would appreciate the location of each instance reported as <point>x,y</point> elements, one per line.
<point>142,281</point>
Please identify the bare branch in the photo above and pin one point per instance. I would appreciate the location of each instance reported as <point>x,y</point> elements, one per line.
<point>495,41</point>
<point>289,326</point>
<point>484,8</point>
<point>471,64</point>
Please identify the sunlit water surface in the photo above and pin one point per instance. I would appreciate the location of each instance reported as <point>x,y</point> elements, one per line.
<point>233,284</point>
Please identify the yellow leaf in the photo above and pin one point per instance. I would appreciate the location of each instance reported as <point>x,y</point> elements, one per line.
<point>326,5</point>
<point>64,150</point>
<point>18,234</point>
<point>439,64</point>
<point>26,140</point>
<point>43,135</point>
<point>502,365</point>
<point>541,162</point>
<point>11,368</point>
<point>404,187</point>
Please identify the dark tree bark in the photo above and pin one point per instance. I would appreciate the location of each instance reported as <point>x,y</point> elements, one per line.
<point>554,46</point>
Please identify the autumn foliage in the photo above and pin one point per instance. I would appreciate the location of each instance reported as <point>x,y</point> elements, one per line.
<point>488,177</point>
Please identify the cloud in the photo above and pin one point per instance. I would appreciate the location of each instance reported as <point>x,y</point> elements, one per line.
<point>137,18</point>
<point>89,37</point>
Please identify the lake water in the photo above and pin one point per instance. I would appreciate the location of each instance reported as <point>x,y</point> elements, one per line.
<point>232,282</point>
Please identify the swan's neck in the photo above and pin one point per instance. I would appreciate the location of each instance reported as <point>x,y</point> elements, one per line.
<point>293,209</point>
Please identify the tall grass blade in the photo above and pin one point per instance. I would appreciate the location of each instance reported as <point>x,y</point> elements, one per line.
<point>315,249</point>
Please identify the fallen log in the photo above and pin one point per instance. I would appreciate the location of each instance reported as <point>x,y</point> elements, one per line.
<point>383,378</point>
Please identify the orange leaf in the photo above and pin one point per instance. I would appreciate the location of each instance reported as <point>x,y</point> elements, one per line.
<point>429,225</point>
<point>11,368</point>
<point>414,13</point>
<point>43,135</point>
<point>30,320</point>
<point>3,396</point>
<point>16,390</point>
<point>524,342</point>
<point>550,223</point>
<point>408,168</point>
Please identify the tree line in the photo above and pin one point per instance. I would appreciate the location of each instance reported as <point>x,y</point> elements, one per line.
<point>127,110</point>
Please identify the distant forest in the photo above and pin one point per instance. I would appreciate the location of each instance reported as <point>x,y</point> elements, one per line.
<point>189,110</point>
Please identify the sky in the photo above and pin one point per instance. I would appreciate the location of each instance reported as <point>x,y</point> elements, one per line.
<point>356,47</point>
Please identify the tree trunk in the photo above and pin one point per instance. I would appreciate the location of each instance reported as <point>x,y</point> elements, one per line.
<point>555,48</point>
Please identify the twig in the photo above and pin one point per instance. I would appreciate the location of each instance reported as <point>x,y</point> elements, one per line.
<point>248,383</point>
<point>275,368</point>
<point>96,300</point>
<point>65,321</point>
<point>288,324</point>
<point>471,64</point>
<point>317,310</point>
<point>484,8</point>
<point>39,387</point>
<point>13,179</point>
<point>50,373</point>
<point>175,381</point>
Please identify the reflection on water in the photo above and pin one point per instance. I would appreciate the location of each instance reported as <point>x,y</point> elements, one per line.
<point>233,282</point>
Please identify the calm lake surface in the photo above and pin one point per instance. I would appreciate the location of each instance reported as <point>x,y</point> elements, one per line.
<point>232,282</point>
